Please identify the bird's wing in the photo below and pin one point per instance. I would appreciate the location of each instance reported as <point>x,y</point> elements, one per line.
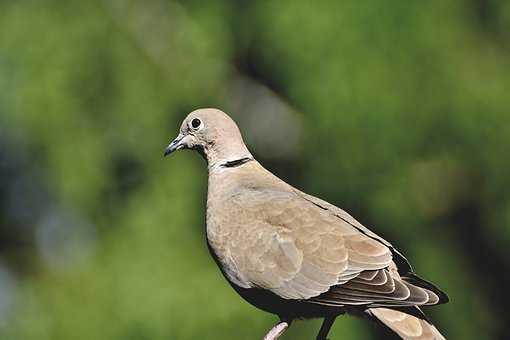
<point>402,263</point>
<point>296,249</point>
<point>395,285</point>
<point>378,288</point>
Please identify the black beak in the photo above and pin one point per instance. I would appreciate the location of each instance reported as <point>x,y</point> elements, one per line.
<point>174,146</point>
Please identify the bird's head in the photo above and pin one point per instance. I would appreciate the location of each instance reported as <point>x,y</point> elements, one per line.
<point>213,134</point>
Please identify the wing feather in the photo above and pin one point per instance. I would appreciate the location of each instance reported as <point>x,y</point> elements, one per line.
<point>300,250</point>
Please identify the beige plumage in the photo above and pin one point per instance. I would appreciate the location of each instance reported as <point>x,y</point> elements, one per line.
<point>293,254</point>
<point>405,325</point>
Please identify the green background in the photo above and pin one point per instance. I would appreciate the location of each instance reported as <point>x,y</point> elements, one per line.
<point>396,111</point>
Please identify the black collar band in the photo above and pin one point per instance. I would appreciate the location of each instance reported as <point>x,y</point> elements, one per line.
<point>236,163</point>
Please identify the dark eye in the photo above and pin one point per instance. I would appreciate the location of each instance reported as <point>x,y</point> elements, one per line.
<point>195,123</point>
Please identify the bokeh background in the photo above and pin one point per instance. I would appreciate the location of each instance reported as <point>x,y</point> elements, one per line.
<point>396,111</point>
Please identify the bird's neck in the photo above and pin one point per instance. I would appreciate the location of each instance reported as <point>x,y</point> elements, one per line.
<point>228,156</point>
<point>236,163</point>
<point>227,174</point>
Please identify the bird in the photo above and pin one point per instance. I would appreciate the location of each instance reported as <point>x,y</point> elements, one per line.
<point>295,255</point>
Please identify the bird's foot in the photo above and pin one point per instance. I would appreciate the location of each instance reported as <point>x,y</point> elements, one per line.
<point>277,330</point>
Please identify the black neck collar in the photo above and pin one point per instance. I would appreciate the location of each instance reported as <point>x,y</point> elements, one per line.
<point>236,163</point>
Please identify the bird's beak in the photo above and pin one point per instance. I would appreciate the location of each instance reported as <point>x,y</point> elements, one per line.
<point>176,144</point>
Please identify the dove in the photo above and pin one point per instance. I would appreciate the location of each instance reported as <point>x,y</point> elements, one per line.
<point>292,254</point>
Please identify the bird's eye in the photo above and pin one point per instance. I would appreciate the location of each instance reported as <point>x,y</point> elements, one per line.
<point>195,123</point>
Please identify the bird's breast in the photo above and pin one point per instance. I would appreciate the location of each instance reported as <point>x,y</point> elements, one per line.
<point>223,242</point>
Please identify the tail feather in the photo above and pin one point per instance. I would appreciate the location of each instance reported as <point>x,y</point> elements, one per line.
<point>414,279</point>
<point>406,325</point>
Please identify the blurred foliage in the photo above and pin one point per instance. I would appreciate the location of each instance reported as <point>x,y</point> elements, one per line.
<point>397,112</point>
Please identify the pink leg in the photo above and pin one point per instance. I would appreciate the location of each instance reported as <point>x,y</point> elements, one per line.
<point>276,331</point>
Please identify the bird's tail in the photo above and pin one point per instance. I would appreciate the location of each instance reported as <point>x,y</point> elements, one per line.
<point>407,326</point>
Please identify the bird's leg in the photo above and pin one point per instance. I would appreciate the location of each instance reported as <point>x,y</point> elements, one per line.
<point>278,330</point>
<point>326,326</point>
